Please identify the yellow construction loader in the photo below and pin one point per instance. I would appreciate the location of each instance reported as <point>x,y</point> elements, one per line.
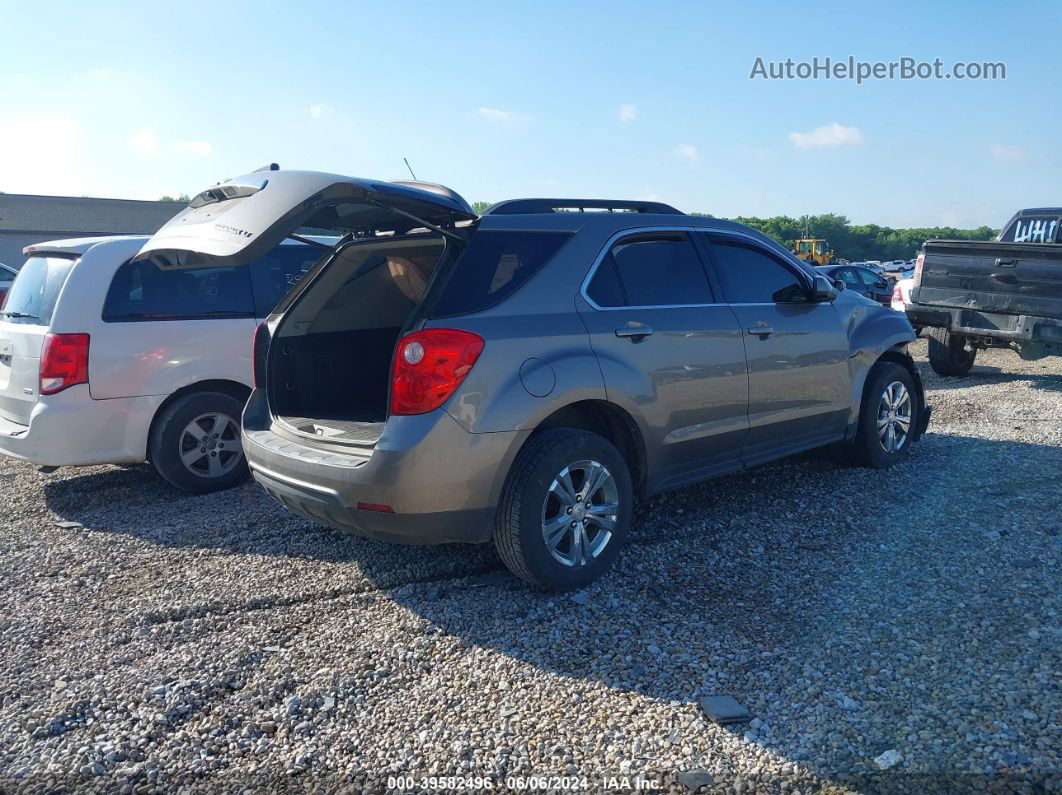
<point>814,250</point>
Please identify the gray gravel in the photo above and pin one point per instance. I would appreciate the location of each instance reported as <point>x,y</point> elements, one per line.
<point>218,641</point>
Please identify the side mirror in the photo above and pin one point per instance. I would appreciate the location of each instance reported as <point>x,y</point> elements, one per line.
<point>824,290</point>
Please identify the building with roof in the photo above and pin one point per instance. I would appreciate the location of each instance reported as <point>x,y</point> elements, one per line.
<point>26,219</point>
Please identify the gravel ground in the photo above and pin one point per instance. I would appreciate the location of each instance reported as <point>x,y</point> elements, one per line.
<point>218,641</point>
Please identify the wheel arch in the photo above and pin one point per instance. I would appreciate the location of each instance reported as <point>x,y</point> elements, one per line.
<point>899,355</point>
<point>610,421</point>
<point>234,389</point>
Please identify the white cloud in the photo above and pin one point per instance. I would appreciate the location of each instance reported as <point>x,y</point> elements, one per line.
<point>628,112</point>
<point>1006,154</point>
<point>688,151</point>
<point>144,141</point>
<point>832,134</point>
<point>320,110</point>
<point>41,154</point>
<point>498,116</point>
<point>201,148</point>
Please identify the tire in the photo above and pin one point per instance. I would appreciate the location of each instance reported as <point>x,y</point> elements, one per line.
<point>870,448</point>
<point>531,498</point>
<point>948,354</point>
<point>182,422</point>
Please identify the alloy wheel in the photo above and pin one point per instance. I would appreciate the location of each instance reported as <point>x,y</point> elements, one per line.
<point>579,513</point>
<point>894,417</point>
<point>210,445</point>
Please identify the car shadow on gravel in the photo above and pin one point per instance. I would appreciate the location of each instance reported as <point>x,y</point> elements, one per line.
<point>850,610</point>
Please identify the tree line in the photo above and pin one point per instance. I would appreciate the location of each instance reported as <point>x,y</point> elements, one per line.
<point>860,242</point>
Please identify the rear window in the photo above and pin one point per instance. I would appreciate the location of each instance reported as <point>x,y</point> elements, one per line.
<point>142,291</point>
<point>493,267</point>
<point>277,272</point>
<point>35,290</point>
<point>1033,229</point>
<point>6,276</point>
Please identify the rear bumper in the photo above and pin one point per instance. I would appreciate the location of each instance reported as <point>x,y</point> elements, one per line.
<point>441,482</point>
<point>993,325</point>
<point>72,429</point>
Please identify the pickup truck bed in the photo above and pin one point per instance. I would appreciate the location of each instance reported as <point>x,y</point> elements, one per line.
<point>988,294</point>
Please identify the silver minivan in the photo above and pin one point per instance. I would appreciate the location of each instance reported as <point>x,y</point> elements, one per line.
<point>108,361</point>
<point>523,375</point>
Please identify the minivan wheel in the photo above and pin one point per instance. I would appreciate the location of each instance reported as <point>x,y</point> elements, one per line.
<point>950,354</point>
<point>888,416</point>
<point>195,443</point>
<point>565,510</point>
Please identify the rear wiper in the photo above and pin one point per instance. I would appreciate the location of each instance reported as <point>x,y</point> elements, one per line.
<point>19,315</point>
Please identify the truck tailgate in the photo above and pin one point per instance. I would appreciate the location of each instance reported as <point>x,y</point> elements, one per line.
<point>1006,278</point>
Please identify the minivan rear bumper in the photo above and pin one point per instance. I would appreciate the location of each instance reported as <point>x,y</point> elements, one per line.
<point>72,429</point>
<point>441,482</point>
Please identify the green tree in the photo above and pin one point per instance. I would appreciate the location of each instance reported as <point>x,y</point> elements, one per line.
<point>184,198</point>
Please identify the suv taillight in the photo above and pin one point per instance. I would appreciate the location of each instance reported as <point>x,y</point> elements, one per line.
<point>918,269</point>
<point>64,362</point>
<point>897,293</point>
<point>259,351</point>
<point>429,365</point>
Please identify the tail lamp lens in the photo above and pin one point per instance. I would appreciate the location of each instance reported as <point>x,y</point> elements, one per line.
<point>429,366</point>
<point>918,269</point>
<point>64,362</point>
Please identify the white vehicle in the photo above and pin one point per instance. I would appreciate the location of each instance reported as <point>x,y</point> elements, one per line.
<point>901,297</point>
<point>106,361</point>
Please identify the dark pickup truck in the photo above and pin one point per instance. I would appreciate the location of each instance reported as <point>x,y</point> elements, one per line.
<point>1002,293</point>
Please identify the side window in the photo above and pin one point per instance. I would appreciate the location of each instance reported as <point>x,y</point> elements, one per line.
<point>143,291</point>
<point>870,279</point>
<point>6,276</point>
<point>656,269</point>
<point>495,265</point>
<point>749,275</point>
<point>850,277</point>
<point>273,276</point>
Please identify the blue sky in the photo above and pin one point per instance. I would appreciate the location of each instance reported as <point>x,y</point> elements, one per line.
<point>625,100</point>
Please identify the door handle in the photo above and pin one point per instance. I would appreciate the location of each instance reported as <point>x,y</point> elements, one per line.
<point>634,331</point>
<point>761,331</point>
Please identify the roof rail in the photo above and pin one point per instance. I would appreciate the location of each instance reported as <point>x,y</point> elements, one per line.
<point>539,206</point>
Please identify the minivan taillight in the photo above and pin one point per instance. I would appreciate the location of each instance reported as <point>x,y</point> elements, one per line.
<point>259,351</point>
<point>64,362</point>
<point>429,365</point>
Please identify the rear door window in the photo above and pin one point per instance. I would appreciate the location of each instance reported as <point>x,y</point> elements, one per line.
<point>494,266</point>
<point>277,272</point>
<point>870,279</point>
<point>655,269</point>
<point>34,292</point>
<point>749,275</point>
<point>141,291</point>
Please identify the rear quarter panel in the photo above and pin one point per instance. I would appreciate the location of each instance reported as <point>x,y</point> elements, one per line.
<point>137,359</point>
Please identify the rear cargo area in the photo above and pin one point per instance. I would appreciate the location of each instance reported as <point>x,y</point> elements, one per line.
<point>330,360</point>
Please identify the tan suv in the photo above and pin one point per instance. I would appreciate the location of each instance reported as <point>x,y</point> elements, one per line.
<point>525,374</point>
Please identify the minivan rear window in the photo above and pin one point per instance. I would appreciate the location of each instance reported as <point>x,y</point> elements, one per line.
<point>494,266</point>
<point>35,290</point>
<point>143,291</point>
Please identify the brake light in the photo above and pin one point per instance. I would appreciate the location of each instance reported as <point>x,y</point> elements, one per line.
<point>259,350</point>
<point>897,295</point>
<point>918,269</point>
<point>429,366</point>
<point>64,362</point>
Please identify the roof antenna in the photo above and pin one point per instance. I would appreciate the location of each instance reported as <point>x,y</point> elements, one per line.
<point>410,169</point>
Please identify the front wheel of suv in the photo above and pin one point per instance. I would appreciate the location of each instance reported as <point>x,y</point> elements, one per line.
<point>565,510</point>
<point>195,443</point>
<point>888,417</point>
